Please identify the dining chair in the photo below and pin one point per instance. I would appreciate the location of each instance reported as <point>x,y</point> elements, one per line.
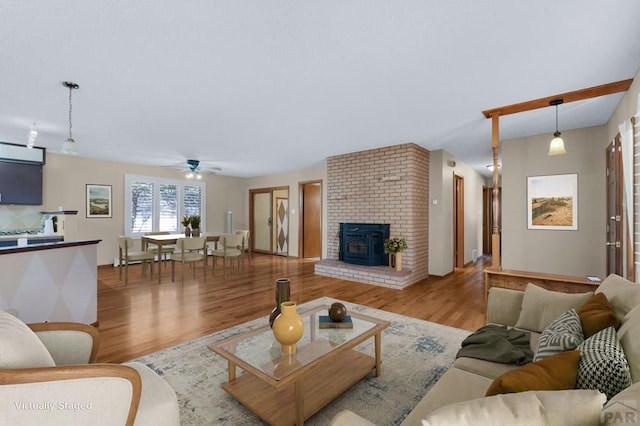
<point>166,249</point>
<point>192,250</point>
<point>246,244</point>
<point>231,246</point>
<point>127,253</point>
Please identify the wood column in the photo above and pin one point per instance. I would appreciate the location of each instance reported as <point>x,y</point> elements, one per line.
<point>495,227</point>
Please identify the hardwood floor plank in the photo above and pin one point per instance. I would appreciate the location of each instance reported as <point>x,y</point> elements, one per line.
<point>144,317</point>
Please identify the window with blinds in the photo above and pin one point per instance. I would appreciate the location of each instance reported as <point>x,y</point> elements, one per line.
<point>158,204</point>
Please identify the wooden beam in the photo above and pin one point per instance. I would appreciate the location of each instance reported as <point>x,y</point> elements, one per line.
<point>578,95</point>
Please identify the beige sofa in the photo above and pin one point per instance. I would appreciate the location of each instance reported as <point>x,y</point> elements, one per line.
<point>47,377</point>
<point>459,396</point>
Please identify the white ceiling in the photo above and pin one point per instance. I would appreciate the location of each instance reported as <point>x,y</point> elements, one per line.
<point>257,87</point>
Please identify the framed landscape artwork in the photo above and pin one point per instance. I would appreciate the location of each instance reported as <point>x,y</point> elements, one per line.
<point>99,203</point>
<point>552,202</point>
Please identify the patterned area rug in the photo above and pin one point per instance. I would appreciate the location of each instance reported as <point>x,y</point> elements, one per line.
<point>415,354</point>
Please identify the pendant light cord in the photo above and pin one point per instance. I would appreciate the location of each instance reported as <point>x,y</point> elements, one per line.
<point>70,107</point>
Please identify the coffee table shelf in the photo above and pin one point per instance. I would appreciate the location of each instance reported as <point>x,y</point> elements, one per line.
<point>277,406</point>
<point>287,389</point>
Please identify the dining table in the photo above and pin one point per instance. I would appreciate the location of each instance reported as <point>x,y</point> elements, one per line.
<point>167,239</point>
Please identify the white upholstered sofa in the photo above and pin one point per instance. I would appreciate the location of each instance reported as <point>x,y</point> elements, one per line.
<point>47,377</point>
<point>459,396</point>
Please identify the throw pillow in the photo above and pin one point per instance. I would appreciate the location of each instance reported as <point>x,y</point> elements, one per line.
<point>19,346</point>
<point>557,372</point>
<point>603,365</point>
<point>623,294</point>
<point>563,334</point>
<point>540,307</point>
<point>525,408</point>
<point>597,314</point>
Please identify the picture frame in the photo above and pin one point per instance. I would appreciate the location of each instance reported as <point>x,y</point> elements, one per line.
<point>552,202</point>
<point>99,201</point>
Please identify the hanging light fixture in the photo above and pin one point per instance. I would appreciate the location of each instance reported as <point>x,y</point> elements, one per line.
<point>69,146</point>
<point>557,144</point>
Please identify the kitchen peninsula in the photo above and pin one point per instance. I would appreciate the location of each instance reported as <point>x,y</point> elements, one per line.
<point>52,281</point>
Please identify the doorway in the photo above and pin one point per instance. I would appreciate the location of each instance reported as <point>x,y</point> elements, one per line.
<point>458,221</point>
<point>269,220</point>
<point>487,219</point>
<point>310,235</point>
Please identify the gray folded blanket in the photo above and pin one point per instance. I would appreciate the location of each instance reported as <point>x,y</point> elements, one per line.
<point>498,343</point>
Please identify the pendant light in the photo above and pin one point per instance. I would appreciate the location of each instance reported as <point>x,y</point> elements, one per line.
<point>69,146</point>
<point>557,144</point>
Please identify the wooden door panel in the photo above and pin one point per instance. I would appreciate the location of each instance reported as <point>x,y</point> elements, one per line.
<point>312,220</point>
<point>262,222</point>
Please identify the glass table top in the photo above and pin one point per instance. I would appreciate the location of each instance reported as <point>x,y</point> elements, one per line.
<point>260,350</point>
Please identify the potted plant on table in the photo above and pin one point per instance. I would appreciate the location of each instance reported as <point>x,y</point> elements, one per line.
<point>195,226</point>
<point>394,247</point>
<point>186,220</point>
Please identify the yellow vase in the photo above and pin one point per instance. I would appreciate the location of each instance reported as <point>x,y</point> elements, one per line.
<point>288,327</point>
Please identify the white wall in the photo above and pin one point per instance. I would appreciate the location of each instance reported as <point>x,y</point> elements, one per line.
<point>626,108</point>
<point>441,214</point>
<point>579,253</point>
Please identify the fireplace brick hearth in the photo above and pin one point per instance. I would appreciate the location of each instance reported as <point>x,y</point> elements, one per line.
<point>386,185</point>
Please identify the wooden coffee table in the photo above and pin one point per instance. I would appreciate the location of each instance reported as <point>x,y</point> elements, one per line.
<point>287,389</point>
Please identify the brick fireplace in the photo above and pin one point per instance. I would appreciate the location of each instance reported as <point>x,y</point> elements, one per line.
<point>380,186</point>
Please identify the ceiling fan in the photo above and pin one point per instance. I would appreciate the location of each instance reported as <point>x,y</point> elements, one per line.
<point>194,169</point>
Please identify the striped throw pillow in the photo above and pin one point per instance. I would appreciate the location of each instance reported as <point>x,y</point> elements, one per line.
<point>563,334</point>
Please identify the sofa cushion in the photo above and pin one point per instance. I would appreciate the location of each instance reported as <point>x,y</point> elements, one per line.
<point>455,385</point>
<point>540,307</point>
<point>158,402</point>
<point>629,336</point>
<point>603,365</point>
<point>488,369</point>
<point>563,334</point>
<point>19,346</point>
<point>526,408</point>
<point>597,314</point>
<point>554,373</point>
<point>621,293</point>
<point>623,407</point>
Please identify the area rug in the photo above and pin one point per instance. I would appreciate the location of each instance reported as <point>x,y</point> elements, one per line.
<point>415,354</point>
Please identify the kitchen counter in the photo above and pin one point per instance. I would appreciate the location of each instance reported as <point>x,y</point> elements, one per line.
<point>51,281</point>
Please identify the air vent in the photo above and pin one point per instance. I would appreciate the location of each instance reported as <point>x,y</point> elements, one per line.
<point>13,153</point>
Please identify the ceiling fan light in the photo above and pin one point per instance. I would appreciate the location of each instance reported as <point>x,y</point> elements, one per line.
<point>69,147</point>
<point>556,147</point>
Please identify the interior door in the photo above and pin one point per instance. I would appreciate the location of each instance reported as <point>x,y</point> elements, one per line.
<point>262,222</point>
<point>458,221</point>
<point>614,208</point>
<point>311,209</point>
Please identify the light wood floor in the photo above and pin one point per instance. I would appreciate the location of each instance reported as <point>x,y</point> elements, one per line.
<point>144,317</point>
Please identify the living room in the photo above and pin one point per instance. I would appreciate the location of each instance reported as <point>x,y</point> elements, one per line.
<point>579,252</point>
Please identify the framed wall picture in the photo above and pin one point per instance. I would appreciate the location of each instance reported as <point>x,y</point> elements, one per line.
<point>99,202</point>
<point>552,202</point>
